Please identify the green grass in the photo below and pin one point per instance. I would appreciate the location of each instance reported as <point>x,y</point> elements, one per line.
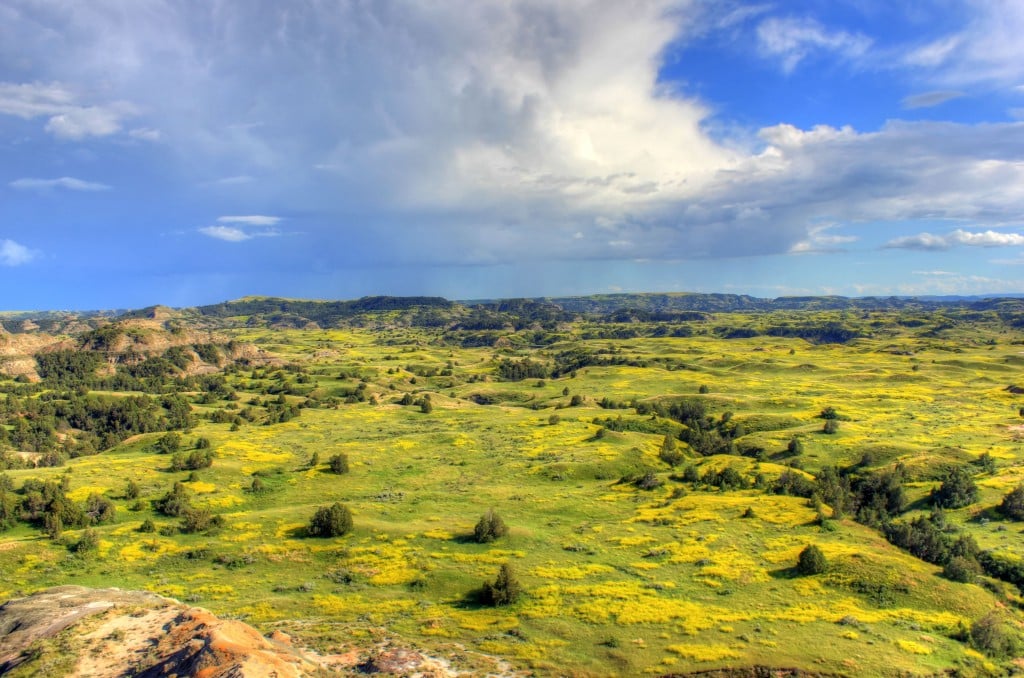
<point>618,580</point>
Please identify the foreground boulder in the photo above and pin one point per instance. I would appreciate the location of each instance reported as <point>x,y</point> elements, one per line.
<point>72,630</point>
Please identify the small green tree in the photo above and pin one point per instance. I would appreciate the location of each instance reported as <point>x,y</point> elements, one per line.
<point>505,590</point>
<point>169,443</point>
<point>795,446</point>
<point>956,491</point>
<point>669,452</point>
<point>426,407</point>
<point>489,527</point>
<point>1012,505</point>
<point>87,542</point>
<point>132,490</point>
<point>338,463</point>
<point>811,561</point>
<point>961,569</point>
<point>994,635</point>
<point>258,486</point>
<point>331,521</point>
<point>831,427</point>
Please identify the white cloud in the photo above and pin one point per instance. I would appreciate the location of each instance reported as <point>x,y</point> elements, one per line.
<point>475,131</point>
<point>68,183</point>
<point>794,39</point>
<point>929,99</point>
<point>250,220</point>
<point>228,233</point>
<point>988,49</point>
<point>235,230</point>
<point>930,242</point>
<point>67,118</point>
<point>13,254</point>
<point>819,240</point>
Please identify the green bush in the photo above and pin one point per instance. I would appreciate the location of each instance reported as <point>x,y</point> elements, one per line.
<point>957,490</point>
<point>338,464</point>
<point>489,527</point>
<point>1012,505</point>
<point>994,635</point>
<point>811,561</point>
<point>964,570</point>
<point>505,590</point>
<point>331,521</point>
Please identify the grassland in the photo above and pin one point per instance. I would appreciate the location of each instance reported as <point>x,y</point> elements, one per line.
<point>618,580</point>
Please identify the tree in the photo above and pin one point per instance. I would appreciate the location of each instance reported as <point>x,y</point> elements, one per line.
<point>829,413</point>
<point>831,426</point>
<point>964,570</point>
<point>169,443</point>
<point>505,590</point>
<point>994,635</point>
<point>426,407</point>
<point>132,490</point>
<point>795,446</point>
<point>338,464</point>
<point>669,452</point>
<point>1012,505</point>
<point>331,521</point>
<point>99,509</point>
<point>956,491</point>
<point>811,561</point>
<point>489,528</point>
<point>175,502</point>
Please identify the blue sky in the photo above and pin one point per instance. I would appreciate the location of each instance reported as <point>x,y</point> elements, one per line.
<point>187,152</point>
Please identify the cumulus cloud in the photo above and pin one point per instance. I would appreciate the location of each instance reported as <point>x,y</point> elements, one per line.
<point>491,131</point>
<point>930,242</point>
<point>793,39</point>
<point>14,254</point>
<point>68,183</point>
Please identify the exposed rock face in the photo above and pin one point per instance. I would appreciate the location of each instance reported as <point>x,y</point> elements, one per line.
<point>108,633</point>
<point>135,633</point>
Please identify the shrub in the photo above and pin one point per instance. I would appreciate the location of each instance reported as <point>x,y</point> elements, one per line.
<point>168,443</point>
<point>957,490</point>
<point>331,521</point>
<point>811,561</point>
<point>489,528</point>
<point>147,525</point>
<point>132,490</point>
<point>200,520</point>
<point>258,486</point>
<point>175,502</point>
<point>831,427</point>
<point>505,590</point>
<point>669,452</point>
<point>649,481</point>
<point>89,541</point>
<point>99,509</point>
<point>795,446</point>
<point>1012,505</point>
<point>994,635</point>
<point>554,419</point>
<point>829,413</point>
<point>964,570</point>
<point>338,464</point>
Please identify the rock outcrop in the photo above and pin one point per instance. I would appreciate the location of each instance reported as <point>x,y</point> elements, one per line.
<point>110,632</point>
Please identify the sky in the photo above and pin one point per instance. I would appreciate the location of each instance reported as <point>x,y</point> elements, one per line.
<point>184,152</point>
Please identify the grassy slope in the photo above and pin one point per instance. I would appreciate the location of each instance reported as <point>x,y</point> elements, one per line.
<point>619,580</point>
